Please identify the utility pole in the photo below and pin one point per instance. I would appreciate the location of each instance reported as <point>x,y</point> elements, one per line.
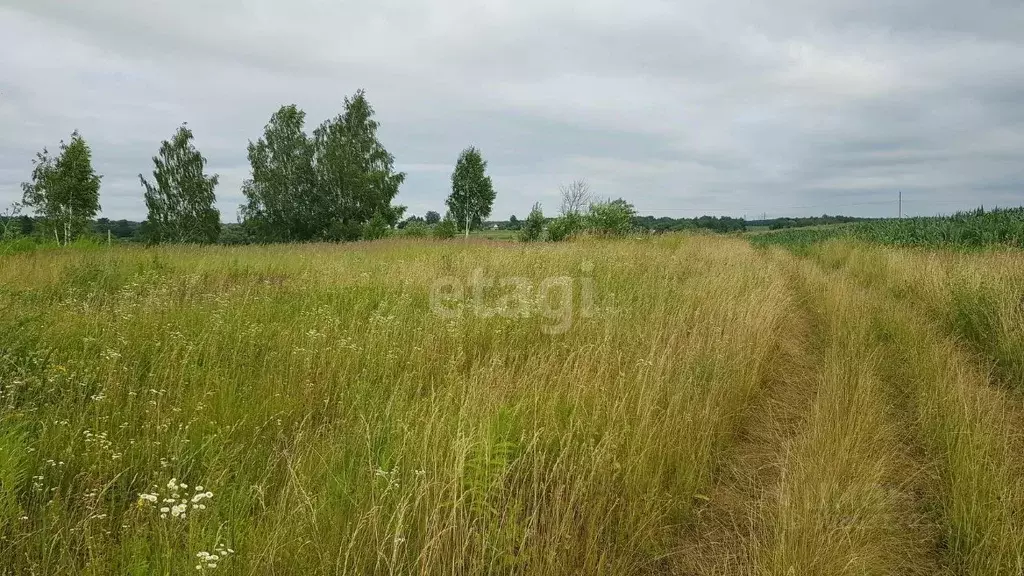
<point>901,204</point>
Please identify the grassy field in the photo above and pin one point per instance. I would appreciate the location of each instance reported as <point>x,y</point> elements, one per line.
<point>666,405</point>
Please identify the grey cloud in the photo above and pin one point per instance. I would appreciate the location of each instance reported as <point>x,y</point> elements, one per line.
<point>729,107</point>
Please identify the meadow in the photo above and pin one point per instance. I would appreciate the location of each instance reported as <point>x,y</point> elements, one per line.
<point>677,404</point>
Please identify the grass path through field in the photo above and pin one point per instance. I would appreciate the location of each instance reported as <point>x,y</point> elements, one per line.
<point>968,425</point>
<point>824,482</point>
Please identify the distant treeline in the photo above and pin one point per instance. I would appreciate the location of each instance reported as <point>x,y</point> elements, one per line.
<point>335,183</point>
<point>119,230</point>
<point>231,233</point>
<point>723,224</point>
<point>782,223</point>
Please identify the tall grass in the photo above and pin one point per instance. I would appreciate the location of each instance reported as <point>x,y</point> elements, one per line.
<point>309,409</point>
<point>341,426</point>
<point>843,503</point>
<point>979,298</point>
<point>968,426</point>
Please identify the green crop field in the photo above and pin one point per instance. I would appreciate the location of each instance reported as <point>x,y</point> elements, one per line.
<point>965,230</point>
<point>666,405</point>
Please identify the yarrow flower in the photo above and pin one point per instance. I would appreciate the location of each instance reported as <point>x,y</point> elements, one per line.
<point>208,561</point>
<point>174,504</point>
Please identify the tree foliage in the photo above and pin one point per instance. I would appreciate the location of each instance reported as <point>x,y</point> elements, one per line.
<point>416,229</point>
<point>446,228</point>
<point>180,202</point>
<point>611,218</point>
<point>281,203</point>
<point>432,217</point>
<point>472,192</point>
<point>64,191</point>
<point>10,221</point>
<point>566,226</point>
<point>533,226</point>
<point>355,177</point>
<point>329,186</point>
<point>376,228</point>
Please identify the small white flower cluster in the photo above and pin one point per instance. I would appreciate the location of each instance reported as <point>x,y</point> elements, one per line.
<point>346,343</point>
<point>102,442</point>
<point>110,354</point>
<point>208,561</point>
<point>381,319</point>
<point>176,505</point>
<point>100,438</point>
<point>391,476</point>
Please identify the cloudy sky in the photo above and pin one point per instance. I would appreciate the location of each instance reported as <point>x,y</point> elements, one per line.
<point>730,107</point>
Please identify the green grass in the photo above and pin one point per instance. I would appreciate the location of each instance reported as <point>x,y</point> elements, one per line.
<point>418,406</point>
<point>341,425</point>
<point>508,235</point>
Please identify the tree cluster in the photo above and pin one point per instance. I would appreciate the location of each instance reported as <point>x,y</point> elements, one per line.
<point>337,184</point>
<point>602,218</point>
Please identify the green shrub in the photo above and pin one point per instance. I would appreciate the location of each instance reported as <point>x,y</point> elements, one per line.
<point>445,229</point>
<point>416,229</point>
<point>611,218</point>
<point>565,227</point>
<point>533,227</point>
<point>376,228</point>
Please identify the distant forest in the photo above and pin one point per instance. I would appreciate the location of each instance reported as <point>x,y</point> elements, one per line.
<point>132,231</point>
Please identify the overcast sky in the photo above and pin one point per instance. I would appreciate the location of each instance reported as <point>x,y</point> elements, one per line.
<point>728,107</point>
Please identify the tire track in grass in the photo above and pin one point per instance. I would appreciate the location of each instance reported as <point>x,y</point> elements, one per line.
<point>968,428</point>
<point>847,501</point>
<point>818,483</point>
<point>718,540</point>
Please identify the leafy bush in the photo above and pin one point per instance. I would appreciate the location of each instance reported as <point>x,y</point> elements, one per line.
<point>445,229</point>
<point>376,228</point>
<point>611,218</point>
<point>416,229</point>
<point>564,227</point>
<point>533,226</point>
